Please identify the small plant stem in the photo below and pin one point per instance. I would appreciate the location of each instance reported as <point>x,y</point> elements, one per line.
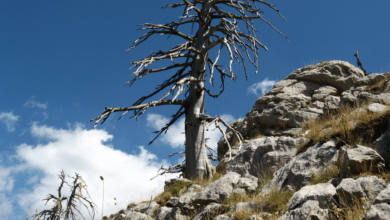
<point>103,194</point>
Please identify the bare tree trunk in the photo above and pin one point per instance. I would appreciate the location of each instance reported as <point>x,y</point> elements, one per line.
<point>198,164</point>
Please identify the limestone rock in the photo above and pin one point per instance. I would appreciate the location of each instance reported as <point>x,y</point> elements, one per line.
<point>367,187</point>
<point>147,208</point>
<point>376,108</point>
<point>255,217</point>
<point>380,209</point>
<point>332,102</point>
<point>297,118</point>
<point>355,95</point>
<point>165,213</point>
<point>371,79</point>
<point>382,145</point>
<point>298,172</point>
<point>309,210</point>
<point>183,201</point>
<point>208,211</point>
<point>250,207</point>
<point>219,190</point>
<point>323,92</point>
<point>303,95</point>
<point>272,132</point>
<point>239,191</point>
<point>249,183</point>
<point>266,153</point>
<point>133,216</point>
<point>360,159</point>
<point>194,188</point>
<point>323,193</point>
<point>339,74</point>
<point>224,217</point>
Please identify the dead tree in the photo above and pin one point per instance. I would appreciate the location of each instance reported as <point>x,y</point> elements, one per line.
<point>56,213</point>
<point>217,23</point>
<point>360,63</point>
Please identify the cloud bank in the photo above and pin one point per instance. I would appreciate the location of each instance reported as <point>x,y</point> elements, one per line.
<point>88,153</point>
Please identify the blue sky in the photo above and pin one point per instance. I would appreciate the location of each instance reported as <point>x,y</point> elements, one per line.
<point>62,62</point>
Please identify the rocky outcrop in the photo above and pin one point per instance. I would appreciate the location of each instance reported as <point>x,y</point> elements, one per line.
<point>273,136</point>
<point>298,172</point>
<point>264,154</point>
<point>303,95</point>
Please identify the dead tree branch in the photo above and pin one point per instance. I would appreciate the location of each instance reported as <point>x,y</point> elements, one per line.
<point>210,120</point>
<point>360,63</point>
<point>56,212</point>
<point>178,168</point>
<point>218,27</point>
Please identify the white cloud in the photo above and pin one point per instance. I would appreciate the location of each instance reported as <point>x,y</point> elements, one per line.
<point>31,103</point>
<point>264,86</point>
<point>86,152</point>
<point>175,136</point>
<point>9,119</point>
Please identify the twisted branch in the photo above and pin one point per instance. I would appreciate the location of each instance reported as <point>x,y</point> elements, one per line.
<point>210,120</point>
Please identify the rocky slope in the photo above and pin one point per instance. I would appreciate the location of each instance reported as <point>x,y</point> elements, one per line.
<point>316,147</point>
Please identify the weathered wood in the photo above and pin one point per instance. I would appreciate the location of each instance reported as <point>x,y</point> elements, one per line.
<point>192,71</point>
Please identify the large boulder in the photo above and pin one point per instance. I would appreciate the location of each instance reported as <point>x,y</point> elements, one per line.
<point>339,74</point>
<point>133,216</point>
<point>219,190</point>
<point>360,159</point>
<point>207,212</point>
<point>380,209</point>
<point>148,208</point>
<point>298,172</point>
<point>308,210</point>
<point>266,153</point>
<point>351,190</point>
<point>311,202</point>
<point>165,213</point>
<point>324,193</point>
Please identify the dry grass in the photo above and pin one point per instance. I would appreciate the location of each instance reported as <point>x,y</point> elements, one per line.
<point>356,211</point>
<point>369,170</point>
<point>339,125</point>
<point>264,177</point>
<point>277,201</point>
<point>256,136</point>
<point>277,204</point>
<point>330,172</point>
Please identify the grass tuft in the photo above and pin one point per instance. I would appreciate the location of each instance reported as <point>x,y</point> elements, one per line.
<point>347,126</point>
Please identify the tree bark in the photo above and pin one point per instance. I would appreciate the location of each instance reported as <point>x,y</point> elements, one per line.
<point>198,165</point>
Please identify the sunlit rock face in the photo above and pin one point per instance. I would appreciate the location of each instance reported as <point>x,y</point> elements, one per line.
<point>278,157</point>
